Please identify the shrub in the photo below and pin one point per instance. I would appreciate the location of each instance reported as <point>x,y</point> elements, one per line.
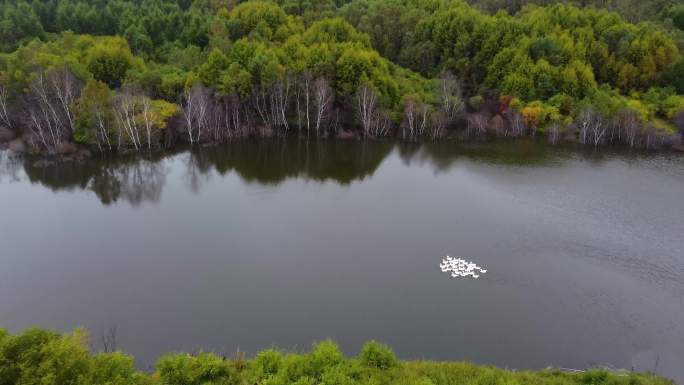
<point>374,354</point>
<point>268,362</point>
<point>325,354</point>
<point>23,353</point>
<point>594,377</point>
<point>184,369</point>
<point>336,376</point>
<point>296,368</point>
<point>114,369</point>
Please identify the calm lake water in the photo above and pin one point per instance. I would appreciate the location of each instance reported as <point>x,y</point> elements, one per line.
<point>283,243</point>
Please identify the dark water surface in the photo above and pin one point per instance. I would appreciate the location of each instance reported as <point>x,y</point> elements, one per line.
<point>284,243</point>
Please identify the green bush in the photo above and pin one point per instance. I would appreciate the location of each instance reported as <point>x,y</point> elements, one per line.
<point>336,376</point>
<point>268,362</point>
<point>594,377</point>
<point>325,355</point>
<point>185,369</point>
<point>374,354</point>
<point>296,368</point>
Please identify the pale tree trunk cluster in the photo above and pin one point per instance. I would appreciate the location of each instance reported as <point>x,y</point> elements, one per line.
<point>323,100</point>
<point>303,102</point>
<point>508,124</point>
<point>149,118</point>
<point>49,109</point>
<point>416,120</point>
<point>195,107</point>
<point>269,108</point>
<point>629,122</point>
<point>374,122</point>
<point>5,119</point>
<point>553,133</point>
<point>652,137</point>
<point>476,124</point>
<point>630,131</point>
<point>136,118</point>
<point>314,99</point>
<point>592,127</point>
<point>625,128</point>
<point>311,101</point>
<point>125,107</point>
<point>438,125</point>
<point>271,103</point>
<point>225,119</point>
<point>218,119</point>
<point>449,94</point>
<point>102,128</point>
<point>516,124</point>
<point>420,118</point>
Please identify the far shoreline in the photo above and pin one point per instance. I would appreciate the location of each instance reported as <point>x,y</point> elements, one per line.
<point>70,151</point>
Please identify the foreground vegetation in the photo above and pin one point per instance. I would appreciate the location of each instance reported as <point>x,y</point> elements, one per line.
<point>38,356</point>
<point>145,74</point>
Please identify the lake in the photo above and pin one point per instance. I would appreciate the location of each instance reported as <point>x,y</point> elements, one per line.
<point>286,242</point>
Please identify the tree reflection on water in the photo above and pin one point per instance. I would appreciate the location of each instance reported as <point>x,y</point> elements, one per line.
<point>136,178</point>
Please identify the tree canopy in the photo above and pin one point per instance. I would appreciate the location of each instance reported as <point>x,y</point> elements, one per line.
<point>413,67</point>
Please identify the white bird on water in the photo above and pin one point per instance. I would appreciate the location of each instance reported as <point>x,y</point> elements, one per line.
<point>458,267</point>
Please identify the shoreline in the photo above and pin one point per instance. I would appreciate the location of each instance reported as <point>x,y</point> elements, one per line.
<point>79,152</point>
<point>73,357</point>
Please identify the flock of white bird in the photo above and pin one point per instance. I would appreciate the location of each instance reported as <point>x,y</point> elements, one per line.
<point>460,268</point>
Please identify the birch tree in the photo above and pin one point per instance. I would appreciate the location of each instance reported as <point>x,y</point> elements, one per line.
<point>553,132</point>
<point>195,107</point>
<point>477,124</point>
<point>49,109</point>
<point>368,112</point>
<point>235,116</point>
<point>188,108</point>
<point>438,123</point>
<point>516,124</point>
<point>4,108</point>
<point>415,120</point>
<point>304,102</point>
<point>125,112</point>
<point>149,117</point>
<point>592,127</point>
<point>66,89</point>
<point>281,101</point>
<point>449,95</point>
<point>629,127</point>
<point>323,99</point>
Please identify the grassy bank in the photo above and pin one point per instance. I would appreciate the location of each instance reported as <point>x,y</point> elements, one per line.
<point>38,356</point>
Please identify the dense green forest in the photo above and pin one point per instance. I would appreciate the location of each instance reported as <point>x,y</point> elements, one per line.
<point>39,356</point>
<point>148,74</point>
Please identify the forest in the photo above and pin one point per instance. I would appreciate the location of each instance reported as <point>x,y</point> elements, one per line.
<point>38,356</point>
<point>153,74</point>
